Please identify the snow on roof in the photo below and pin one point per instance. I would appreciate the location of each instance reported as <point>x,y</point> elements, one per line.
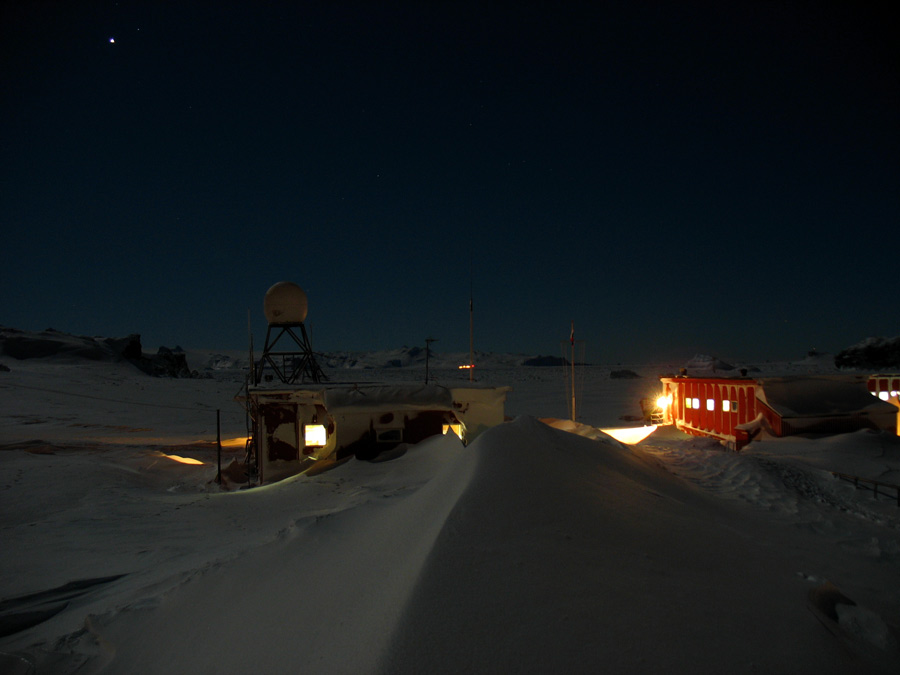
<point>374,396</point>
<point>806,396</point>
<point>421,396</point>
<point>336,396</point>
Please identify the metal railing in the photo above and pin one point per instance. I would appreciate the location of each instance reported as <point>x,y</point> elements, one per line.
<point>859,481</point>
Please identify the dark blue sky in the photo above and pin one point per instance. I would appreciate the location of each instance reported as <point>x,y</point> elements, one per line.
<point>676,177</point>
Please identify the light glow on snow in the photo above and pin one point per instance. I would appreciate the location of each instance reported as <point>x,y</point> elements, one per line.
<point>630,435</point>
<point>184,460</point>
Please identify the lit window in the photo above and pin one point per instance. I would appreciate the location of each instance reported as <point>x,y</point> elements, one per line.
<point>455,428</point>
<point>726,405</point>
<point>314,435</point>
<point>710,404</point>
<point>883,395</point>
<point>697,403</point>
<point>688,403</point>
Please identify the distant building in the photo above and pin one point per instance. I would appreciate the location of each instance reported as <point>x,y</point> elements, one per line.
<point>298,426</point>
<point>735,409</point>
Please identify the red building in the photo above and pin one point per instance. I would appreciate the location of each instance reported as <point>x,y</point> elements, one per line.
<point>735,409</point>
<point>885,387</point>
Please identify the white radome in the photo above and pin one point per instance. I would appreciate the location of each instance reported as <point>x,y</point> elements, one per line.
<point>285,302</point>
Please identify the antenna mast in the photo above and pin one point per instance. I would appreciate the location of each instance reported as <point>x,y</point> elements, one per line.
<point>471,329</point>
<point>252,362</point>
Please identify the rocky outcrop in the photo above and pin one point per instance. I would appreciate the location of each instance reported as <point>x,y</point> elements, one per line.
<point>875,353</point>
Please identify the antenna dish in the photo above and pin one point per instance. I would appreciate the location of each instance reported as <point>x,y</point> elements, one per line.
<point>285,303</point>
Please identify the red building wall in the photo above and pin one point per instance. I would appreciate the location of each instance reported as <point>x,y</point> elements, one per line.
<point>698,405</point>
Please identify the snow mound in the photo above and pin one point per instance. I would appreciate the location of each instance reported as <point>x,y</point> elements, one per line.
<point>568,555</point>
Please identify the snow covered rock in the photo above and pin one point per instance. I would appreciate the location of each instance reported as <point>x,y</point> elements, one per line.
<point>705,363</point>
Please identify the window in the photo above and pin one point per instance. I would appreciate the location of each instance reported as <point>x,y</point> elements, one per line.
<point>314,435</point>
<point>389,435</point>
<point>697,403</point>
<point>710,404</point>
<point>726,405</point>
<point>688,403</point>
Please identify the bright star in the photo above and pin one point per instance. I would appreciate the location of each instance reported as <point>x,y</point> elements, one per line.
<point>112,40</point>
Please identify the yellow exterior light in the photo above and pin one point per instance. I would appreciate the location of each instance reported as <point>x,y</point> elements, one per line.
<point>663,402</point>
<point>314,435</point>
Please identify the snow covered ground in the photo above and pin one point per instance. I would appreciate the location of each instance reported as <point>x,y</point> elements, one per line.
<point>532,550</point>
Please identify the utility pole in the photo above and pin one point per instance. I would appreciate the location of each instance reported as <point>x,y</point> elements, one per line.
<point>572,341</point>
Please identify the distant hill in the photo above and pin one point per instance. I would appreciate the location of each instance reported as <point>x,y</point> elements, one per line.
<point>50,343</point>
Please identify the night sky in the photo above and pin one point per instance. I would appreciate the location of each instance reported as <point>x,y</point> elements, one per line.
<point>675,177</point>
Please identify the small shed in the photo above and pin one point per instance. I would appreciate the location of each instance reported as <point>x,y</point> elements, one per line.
<point>297,426</point>
<point>730,408</point>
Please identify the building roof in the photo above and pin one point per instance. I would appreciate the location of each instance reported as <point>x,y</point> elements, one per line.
<point>817,395</point>
<point>408,396</point>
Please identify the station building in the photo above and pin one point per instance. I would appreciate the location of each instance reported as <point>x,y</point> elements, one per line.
<point>735,409</point>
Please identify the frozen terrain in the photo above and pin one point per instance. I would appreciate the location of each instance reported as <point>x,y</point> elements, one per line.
<point>535,549</point>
